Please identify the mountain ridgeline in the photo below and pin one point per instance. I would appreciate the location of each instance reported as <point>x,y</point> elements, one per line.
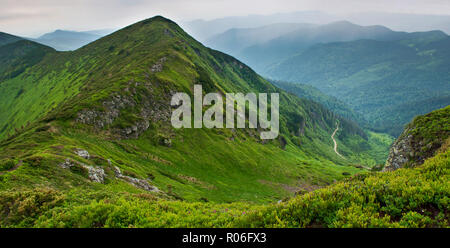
<point>99,118</point>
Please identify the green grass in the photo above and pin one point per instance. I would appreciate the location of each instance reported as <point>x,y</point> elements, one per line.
<point>228,168</point>
<point>417,197</point>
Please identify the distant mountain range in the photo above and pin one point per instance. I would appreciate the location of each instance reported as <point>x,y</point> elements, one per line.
<point>293,38</point>
<point>387,76</point>
<point>205,29</point>
<point>63,40</point>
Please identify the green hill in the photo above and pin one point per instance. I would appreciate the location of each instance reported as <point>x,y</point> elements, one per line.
<point>8,38</point>
<point>408,197</point>
<point>388,82</point>
<point>95,123</point>
<point>16,57</point>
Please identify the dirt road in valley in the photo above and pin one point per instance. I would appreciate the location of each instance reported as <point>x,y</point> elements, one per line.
<point>335,143</point>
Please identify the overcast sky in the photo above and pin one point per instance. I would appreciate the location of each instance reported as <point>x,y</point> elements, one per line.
<point>34,17</point>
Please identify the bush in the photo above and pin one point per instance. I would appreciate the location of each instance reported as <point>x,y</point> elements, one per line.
<point>34,161</point>
<point>7,165</point>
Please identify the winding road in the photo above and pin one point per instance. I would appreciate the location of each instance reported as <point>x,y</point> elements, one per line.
<point>335,143</point>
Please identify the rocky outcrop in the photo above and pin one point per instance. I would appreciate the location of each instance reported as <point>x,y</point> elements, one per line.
<point>139,183</point>
<point>420,140</point>
<point>401,152</point>
<point>82,153</point>
<point>95,174</point>
<point>151,107</point>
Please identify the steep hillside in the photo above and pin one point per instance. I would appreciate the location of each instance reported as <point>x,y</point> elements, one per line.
<point>388,82</point>
<point>8,38</point>
<point>330,102</point>
<point>98,120</point>
<point>409,197</point>
<point>15,57</point>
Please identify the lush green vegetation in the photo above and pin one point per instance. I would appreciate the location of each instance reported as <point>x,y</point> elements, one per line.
<point>330,102</point>
<point>141,65</point>
<point>416,197</point>
<point>16,57</point>
<point>206,177</point>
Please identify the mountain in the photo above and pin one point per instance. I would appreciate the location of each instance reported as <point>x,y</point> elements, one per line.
<point>206,29</point>
<point>389,82</point>
<point>261,56</point>
<point>8,38</point>
<point>94,124</point>
<point>402,21</point>
<point>234,40</point>
<point>63,40</point>
<point>203,30</point>
<point>410,197</point>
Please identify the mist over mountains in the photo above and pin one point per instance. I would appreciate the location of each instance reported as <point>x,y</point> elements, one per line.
<point>63,40</point>
<point>205,29</point>
<point>386,76</point>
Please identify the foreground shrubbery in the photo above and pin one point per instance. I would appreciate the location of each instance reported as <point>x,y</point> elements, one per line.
<point>416,197</point>
<point>403,198</point>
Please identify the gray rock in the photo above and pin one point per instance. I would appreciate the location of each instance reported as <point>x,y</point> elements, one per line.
<point>139,183</point>
<point>95,174</point>
<point>82,153</point>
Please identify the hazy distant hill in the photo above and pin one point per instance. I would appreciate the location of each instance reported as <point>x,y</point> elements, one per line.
<point>260,56</point>
<point>233,41</point>
<point>402,21</point>
<point>203,30</point>
<point>206,29</point>
<point>63,40</point>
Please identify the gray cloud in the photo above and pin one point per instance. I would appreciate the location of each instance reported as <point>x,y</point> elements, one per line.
<point>32,17</point>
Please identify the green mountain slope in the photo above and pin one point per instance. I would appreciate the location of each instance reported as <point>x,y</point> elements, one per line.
<point>8,38</point>
<point>407,197</point>
<point>111,100</point>
<point>388,82</point>
<point>15,57</point>
<point>330,102</point>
